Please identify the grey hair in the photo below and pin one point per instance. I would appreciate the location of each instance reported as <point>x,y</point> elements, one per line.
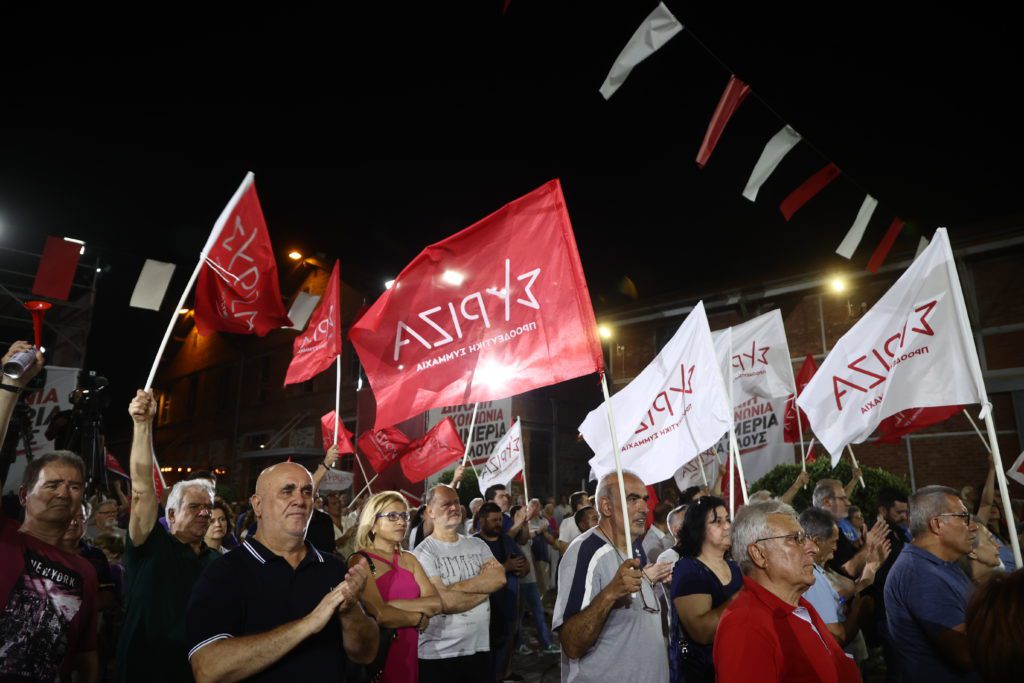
<point>178,492</point>
<point>428,497</point>
<point>762,496</point>
<point>928,502</point>
<point>825,489</point>
<point>751,523</point>
<point>608,486</point>
<point>681,510</point>
<point>476,501</point>
<point>817,523</point>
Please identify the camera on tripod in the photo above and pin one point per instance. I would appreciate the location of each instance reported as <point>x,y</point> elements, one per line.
<point>81,429</point>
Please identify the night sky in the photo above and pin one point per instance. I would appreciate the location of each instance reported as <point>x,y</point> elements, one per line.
<point>376,129</point>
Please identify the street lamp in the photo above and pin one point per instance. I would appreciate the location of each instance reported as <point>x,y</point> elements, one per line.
<point>837,283</point>
<point>294,255</point>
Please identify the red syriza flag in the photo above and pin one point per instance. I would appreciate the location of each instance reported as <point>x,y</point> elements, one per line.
<point>237,290</point>
<point>497,309</point>
<point>432,452</point>
<point>315,349</point>
<point>791,433</point>
<point>345,444</point>
<point>383,446</point>
<point>892,428</point>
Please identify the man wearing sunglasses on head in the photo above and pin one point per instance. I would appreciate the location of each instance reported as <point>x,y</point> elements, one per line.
<point>926,591</point>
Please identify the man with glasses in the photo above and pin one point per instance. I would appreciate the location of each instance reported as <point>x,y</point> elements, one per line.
<point>770,632</point>
<point>607,610</point>
<point>831,496</point>
<point>926,591</point>
<point>162,564</point>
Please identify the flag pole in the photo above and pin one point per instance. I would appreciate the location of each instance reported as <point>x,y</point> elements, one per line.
<point>734,449</point>
<point>1011,521</point>
<point>810,447</point>
<point>978,431</point>
<point>469,442</point>
<point>337,399</point>
<point>526,493</point>
<point>210,241</point>
<point>362,491</point>
<point>355,454</point>
<point>618,464</point>
<point>739,470</point>
<point>800,430</point>
<point>853,458</point>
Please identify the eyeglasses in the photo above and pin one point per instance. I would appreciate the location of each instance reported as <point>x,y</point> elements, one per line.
<point>799,538</point>
<point>966,516</point>
<point>393,516</point>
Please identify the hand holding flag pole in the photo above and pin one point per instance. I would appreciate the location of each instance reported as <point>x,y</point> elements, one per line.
<point>853,459</point>
<point>618,464</point>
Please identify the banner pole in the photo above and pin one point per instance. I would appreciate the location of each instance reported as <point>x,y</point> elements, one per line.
<point>618,465</point>
<point>853,458</point>
<point>526,493</point>
<point>978,431</point>
<point>337,399</point>
<point>739,469</point>
<point>359,462</point>
<point>810,447</point>
<point>469,442</point>
<point>800,430</point>
<point>1011,521</point>
<point>362,491</point>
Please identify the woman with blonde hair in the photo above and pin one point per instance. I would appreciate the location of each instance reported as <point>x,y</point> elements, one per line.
<point>401,597</point>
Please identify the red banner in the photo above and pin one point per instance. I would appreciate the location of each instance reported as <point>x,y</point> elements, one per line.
<point>434,451</point>
<point>497,309</point>
<point>732,97</point>
<point>345,444</point>
<point>315,349</point>
<point>56,271</point>
<point>882,250</point>
<point>791,433</point>
<point>237,290</point>
<point>810,187</point>
<point>383,446</point>
<point>892,428</point>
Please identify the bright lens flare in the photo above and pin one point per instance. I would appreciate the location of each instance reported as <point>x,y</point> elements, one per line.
<point>604,331</point>
<point>494,374</point>
<point>452,277</point>
<point>294,255</point>
<point>837,284</point>
<point>389,284</point>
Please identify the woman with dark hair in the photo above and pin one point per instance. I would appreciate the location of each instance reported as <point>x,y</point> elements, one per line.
<point>704,580</point>
<point>218,534</point>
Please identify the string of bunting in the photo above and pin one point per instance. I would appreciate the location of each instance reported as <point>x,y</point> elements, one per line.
<point>656,30</point>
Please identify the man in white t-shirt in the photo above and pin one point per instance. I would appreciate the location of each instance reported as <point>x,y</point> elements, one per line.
<point>455,647</point>
<point>568,529</point>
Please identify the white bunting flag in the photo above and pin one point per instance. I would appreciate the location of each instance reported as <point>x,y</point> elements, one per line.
<point>856,232</point>
<point>922,244</point>
<point>655,31</point>
<point>1017,471</point>
<point>674,409</point>
<point>760,358</point>
<point>152,285</point>
<point>506,460</point>
<point>302,307</point>
<point>913,349</point>
<point>774,152</point>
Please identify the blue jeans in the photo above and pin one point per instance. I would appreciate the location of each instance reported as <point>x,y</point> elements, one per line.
<point>529,598</point>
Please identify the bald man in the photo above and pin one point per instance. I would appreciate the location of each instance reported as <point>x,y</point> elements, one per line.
<point>276,608</point>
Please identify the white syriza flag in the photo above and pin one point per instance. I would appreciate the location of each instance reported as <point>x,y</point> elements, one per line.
<point>506,460</point>
<point>913,349</point>
<point>760,357</point>
<point>673,410</point>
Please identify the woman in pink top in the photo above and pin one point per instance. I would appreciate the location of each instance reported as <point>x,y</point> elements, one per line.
<point>401,595</point>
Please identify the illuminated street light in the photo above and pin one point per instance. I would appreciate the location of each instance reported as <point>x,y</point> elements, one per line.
<point>837,284</point>
<point>388,284</point>
<point>452,277</point>
<point>604,331</point>
<point>294,255</point>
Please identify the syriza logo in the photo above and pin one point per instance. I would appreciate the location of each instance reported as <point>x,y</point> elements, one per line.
<point>663,401</point>
<point>749,361</point>
<point>872,369</point>
<point>322,333</point>
<point>245,285</point>
<point>449,323</point>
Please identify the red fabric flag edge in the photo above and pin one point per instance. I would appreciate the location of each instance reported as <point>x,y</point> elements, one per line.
<point>810,187</point>
<point>56,271</point>
<point>882,250</point>
<point>732,97</point>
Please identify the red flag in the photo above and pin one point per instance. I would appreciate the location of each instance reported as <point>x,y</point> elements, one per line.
<point>495,310</point>
<point>383,446</point>
<point>315,349</point>
<point>432,452</point>
<point>345,444</point>
<point>882,250</point>
<point>892,428</point>
<point>791,433</point>
<point>652,502</point>
<point>237,290</point>
<point>56,269</point>
<point>812,186</point>
<point>732,97</point>
<point>113,465</point>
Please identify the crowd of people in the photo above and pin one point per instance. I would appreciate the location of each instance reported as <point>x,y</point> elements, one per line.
<point>296,581</point>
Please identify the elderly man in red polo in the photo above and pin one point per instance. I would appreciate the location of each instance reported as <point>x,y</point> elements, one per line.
<point>769,632</point>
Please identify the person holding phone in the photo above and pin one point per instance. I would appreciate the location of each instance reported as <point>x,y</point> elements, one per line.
<point>504,601</point>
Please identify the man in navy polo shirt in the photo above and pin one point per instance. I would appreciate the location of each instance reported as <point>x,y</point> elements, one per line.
<point>276,608</point>
<point>926,591</point>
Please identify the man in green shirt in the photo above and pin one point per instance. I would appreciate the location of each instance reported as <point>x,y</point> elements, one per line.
<point>161,566</point>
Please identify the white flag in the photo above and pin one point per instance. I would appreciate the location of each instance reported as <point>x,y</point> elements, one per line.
<point>689,474</point>
<point>302,307</point>
<point>856,232</point>
<point>760,358</point>
<point>673,410</point>
<point>1017,471</point>
<point>506,460</point>
<point>655,31</point>
<point>913,349</point>
<point>152,285</point>
<point>336,480</point>
<point>774,152</point>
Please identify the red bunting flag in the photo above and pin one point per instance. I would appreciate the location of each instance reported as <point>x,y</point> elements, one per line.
<point>882,250</point>
<point>791,433</point>
<point>732,97</point>
<point>383,446</point>
<point>237,290</point>
<point>892,428</point>
<point>56,271</point>
<point>315,349</point>
<point>432,452</point>
<point>345,444</point>
<point>113,465</point>
<point>495,310</point>
<point>812,186</point>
